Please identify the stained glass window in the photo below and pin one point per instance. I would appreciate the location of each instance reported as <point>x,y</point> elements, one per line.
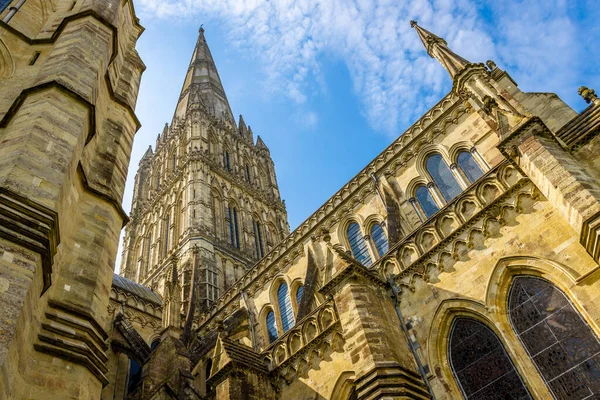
<point>426,202</point>
<point>285,307</point>
<point>442,177</point>
<point>481,366</point>
<point>358,245</point>
<point>271,327</point>
<point>561,344</point>
<point>379,239</point>
<point>469,166</point>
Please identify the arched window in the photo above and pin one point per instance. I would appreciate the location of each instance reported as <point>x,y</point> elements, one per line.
<point>561,344</point>
<point>271,327</point>
<point>469,166</point>
<point>379,239</point>
<point>258,241</point>
<point>154,344</point>
<point>4,4</point>
<point>167,231</point>
<point>299,293</point>
<point>134,376</point>
<point>426,201</point>
<point>227,162</point>
<point>358,245</point>
<point>285,307</point>
<point>234,236</point>
<point>247,172</point>
<point>480,364</point>
<point>442,177</point>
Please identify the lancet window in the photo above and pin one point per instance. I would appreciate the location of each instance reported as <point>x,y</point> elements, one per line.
<point>469,167</point>
<point>443,177</point>
<point>426,202</point>
<point>561,344</point>
<point>358,244</point>
<point>234,236</point>
<point>227,161</point>
<point>379,239</point>
<point>285,307</point>
<point>258,240</point>
<point>271,326</point>
<point>167,231</point>
<point>480,364</point>
<point>299,293</point>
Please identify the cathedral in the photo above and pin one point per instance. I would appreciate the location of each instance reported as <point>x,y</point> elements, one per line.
<point>462,262</point>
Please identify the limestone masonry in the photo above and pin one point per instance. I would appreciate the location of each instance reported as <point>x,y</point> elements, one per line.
<point>462,262</point>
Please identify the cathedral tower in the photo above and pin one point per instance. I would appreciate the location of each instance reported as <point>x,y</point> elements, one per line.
<point>207,189</point>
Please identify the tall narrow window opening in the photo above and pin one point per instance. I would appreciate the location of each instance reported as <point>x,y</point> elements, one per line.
<point>469,166</point>
<point>271,327</point>
<point>285,307</point>
<point>167,231</point>
<point>358,245</point>
<point>227,164</point>
<point>235,227</point>
<point>258,239</point>
<point>426,201</point>
<point>248,178</point>
<point>379,239</point>
<point>561,344</point>
<point>442,177</point>
<point>480,364</point>
<point>299,293</point>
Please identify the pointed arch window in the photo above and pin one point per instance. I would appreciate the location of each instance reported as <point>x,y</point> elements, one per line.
<point>167,231</point>
<point>299,293</point>
<point>285,307</point>
<point>469,166</point>
<point>234,236</point>
<point>247,171</point>
<point>480,364</point>
<point>258,239</point>
<point>443,178</point>
<point>358,245</point>
<point>559,341</point>
<point>428,205</point>
<point>379,239</point>
<point>227,162</point>
<point>271,327</point>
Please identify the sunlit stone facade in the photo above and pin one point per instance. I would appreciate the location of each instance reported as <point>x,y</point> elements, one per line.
<point>462,262</point>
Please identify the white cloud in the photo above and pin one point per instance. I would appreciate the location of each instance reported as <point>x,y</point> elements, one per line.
<point>391,73</point>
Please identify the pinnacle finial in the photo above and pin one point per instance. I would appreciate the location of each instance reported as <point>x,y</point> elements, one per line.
<point>201,29</point>
<point>438,48</point>
<point>589,95</point>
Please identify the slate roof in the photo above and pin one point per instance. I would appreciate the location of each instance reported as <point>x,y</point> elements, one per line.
<point>134,288</point>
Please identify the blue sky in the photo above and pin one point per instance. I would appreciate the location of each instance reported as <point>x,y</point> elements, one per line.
<point>328,84</point>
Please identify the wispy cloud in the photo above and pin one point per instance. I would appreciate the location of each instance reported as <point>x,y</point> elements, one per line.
<point>392,75</point>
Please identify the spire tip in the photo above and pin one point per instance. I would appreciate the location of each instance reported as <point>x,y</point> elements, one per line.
<point>413,23</point>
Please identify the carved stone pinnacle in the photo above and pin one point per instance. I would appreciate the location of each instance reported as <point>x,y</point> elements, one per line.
<point>413,23</point>
<point>588,94</point>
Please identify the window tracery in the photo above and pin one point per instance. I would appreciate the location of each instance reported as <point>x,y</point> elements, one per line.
<point>559,341</point>
<point>480,364</point>
<point>443,177</point>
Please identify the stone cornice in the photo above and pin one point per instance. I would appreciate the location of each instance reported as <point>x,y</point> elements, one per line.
<point>433,123</point>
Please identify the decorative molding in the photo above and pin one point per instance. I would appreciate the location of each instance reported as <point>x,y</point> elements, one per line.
<point>74,335</point>
<point>31,225</point>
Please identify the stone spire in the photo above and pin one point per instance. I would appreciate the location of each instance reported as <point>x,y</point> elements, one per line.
<point>438,48</point>
<point>202,85</point>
